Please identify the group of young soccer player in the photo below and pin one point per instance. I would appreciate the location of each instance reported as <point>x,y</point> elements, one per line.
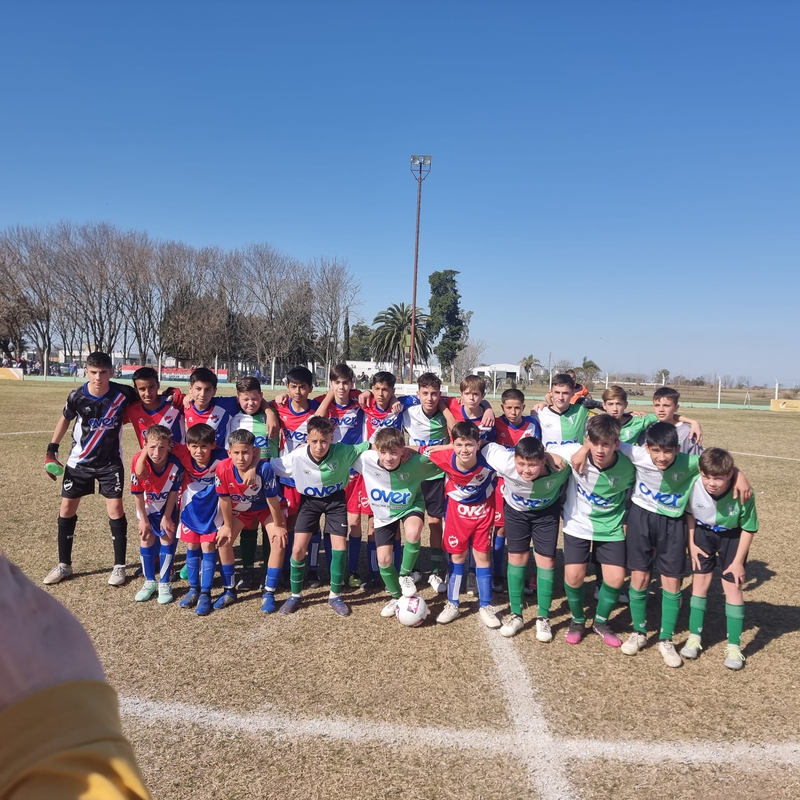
<point>630,492</point>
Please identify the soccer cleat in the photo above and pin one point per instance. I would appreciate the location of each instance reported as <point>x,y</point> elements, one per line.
<point>636,642</point>
<point>692,647</point>
<point>118,575</point>
<point>204,605</point>
<point>269,606</point>
<point>148,589</point>
<point>389,609</point>
<point>407,586</point>
<point>371,583</point>
<point>488,615</point>
<point>227,598</point>
<point>530,589</point>
<point>513,625</point>
<point>436,582</point>
<point>58,574</point>
<point>416,575</point>
<point>339,606</point>
<point>575,632</point>
<point>472,584</point>
<point>247,580</point>
<point>354,580</point>
<point>449,613</point>
<point>314,581</point>
<point>164,593</point>
<point>606,634</point>
<point>733,657</point>
<point>668,652</point>
<point>190,598</point>
<point>544,632</point>
<point>499,585</point>
<point>290,605</point>
<point>184,573</point>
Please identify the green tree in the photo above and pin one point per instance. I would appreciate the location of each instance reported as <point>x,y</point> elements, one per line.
<point>527,364</point>
<point>392,336</point>
<point>361,342</point>
<point>588,371</point>
<point>346,337</point>
<point>446,317</point>
<point>662,376</point>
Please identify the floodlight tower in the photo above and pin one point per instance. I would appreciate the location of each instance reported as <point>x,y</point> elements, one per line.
<point>420,168</point>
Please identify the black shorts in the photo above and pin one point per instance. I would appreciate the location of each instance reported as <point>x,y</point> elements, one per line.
<point>388,534</point>
<point>580,551</point>
<point>721,547</point>
<point>655,538</point>
<point>539,525</point>
<point>433,492</point>
<point>77,483</point>
<point>312,508</point>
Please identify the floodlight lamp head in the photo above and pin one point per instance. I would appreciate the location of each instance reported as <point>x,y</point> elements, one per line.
<point>420,161</point>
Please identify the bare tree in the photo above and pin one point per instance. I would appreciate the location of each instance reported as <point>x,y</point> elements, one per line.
<point>468,358</point>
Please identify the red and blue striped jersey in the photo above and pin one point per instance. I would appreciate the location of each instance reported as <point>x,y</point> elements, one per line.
<point>508,435</point>
<point>166,414</point>
<point>199,506</point>
<point>460,413</point>
<point>471,486</point>
<point>156,486</point>
<point>217,415</point>
<point>294,428</point>
<point>376,418</point>
<point>244,497</point>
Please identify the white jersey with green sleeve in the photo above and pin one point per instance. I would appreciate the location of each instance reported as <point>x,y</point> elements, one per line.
<point>520,494</point>
<point>566,428</point>
<point>257,425</point>
<point>394,494</point>
<point>319,478</point>
<point>722,513</point>
<point>667,492</point>
<point>425,431</point>
<point>632,429</point>
<point>595,501</point>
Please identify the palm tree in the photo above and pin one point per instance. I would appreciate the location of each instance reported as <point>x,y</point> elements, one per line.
<point>527,364</point>
<point>589,371</point>
<point>392,336</point>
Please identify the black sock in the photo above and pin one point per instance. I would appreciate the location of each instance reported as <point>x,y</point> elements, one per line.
<point>66,533</point>
<point>119,535</point>
<point>266,548</point>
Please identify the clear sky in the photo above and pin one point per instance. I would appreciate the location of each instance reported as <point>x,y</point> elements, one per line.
<point>618,180</point>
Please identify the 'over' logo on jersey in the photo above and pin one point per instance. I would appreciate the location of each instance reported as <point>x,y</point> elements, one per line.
<point>323,491</point>
<point>295,436</point>
<point>154,497</point>
<point>389,422</point>
<point>669,499</point>
<point>594,499</point>
<point>394,497</point>
<point>102,423</point>
<point>531,502</point>
<point>475,510</point>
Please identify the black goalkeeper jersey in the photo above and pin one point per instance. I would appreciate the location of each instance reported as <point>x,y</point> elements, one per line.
<point>97,433</point>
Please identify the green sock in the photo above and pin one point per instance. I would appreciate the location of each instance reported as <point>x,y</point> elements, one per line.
<point>516,586</point>
<point>391,580</point>
<point>735,616</point>
<point>606,601</point>
<point>436,559</point>
<point>575,598</point>
<point>410,556</point>
<point>338,558</point>
<point>248,542</point>
<point>544,590</point>
<point>670,605</point>
<point>296,572</point>
<point>697,612</point>
<point>638,601</point>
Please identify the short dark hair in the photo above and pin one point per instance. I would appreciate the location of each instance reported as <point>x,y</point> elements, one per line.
<point>342,372</point>
<point>530,448</point>
<point>248,384</point>
<point>667,393</point>
<point>563,379</point>
<point>388,439</point>
<point>158,432</point>
<point>145,374</point>
<point>99,359</point>
<point>662,434</point>
<point>203,375</point>
<point>384,377</point>
<point>429,379</point>
<point>300,375</point>
<point>603,428</point>
<point>716,462</point>
<point>465,430</point>
<point>241,436</point>
<point>321,425</point>
<point>201,434</point>
<point>512,394</point>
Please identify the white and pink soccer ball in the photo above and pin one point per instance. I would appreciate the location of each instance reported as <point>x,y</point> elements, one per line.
<point>411,611</point>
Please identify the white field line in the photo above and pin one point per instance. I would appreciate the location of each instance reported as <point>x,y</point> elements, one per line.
<point>23,433</point>
<point>539,751</point>
<point>761,455</point>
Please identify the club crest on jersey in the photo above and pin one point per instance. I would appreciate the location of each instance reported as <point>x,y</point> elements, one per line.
<point>612,479</point>
<point>404,476</point>
<point>334,465</point>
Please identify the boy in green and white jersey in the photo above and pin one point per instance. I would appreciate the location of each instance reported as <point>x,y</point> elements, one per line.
<point>321,470</point>
<point>720,527</point>
<point>665,404</point>
<point>393,479</point>
<point>266,428</point>
<point>531,508</point>
<point>593,511</point>
<point>562,422</point>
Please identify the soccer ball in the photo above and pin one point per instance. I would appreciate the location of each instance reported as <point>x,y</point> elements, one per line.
<point>411,611</point>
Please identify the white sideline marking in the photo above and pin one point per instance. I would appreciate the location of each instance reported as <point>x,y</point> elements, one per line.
<point>541,754</point>
<point>22,433</point>
<point>761,455</point>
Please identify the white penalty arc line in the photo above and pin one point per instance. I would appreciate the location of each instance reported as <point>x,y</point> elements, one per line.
<point>761,455</point>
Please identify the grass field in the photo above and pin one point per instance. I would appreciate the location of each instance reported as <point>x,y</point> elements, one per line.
<point>314,706</point>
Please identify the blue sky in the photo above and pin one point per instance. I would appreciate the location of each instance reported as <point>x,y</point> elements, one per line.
<point>616,180</point>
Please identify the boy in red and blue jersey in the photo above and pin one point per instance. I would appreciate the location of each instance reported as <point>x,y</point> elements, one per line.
<point>156,496</point>
<point>472,406</point>
<point>153,408</point>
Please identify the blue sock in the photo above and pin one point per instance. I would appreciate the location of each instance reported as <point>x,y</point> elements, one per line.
<point>398,553</point>
<point>193,567</point>
<point>273,578</point>
<point>372,557</point>
<point>288,554</point>
<point>227,571</point>
<point>484,575</point>
<point>328,551</point>
<point>209,561</point>
<point>148,555</point>
<point>313,552</point>
<point>353,553</point>
<point>166,554</point>
<point>497,556</point>
<point>454,583</point>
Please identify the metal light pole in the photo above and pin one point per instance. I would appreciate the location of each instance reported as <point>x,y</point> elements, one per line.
<point>420,168</point>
